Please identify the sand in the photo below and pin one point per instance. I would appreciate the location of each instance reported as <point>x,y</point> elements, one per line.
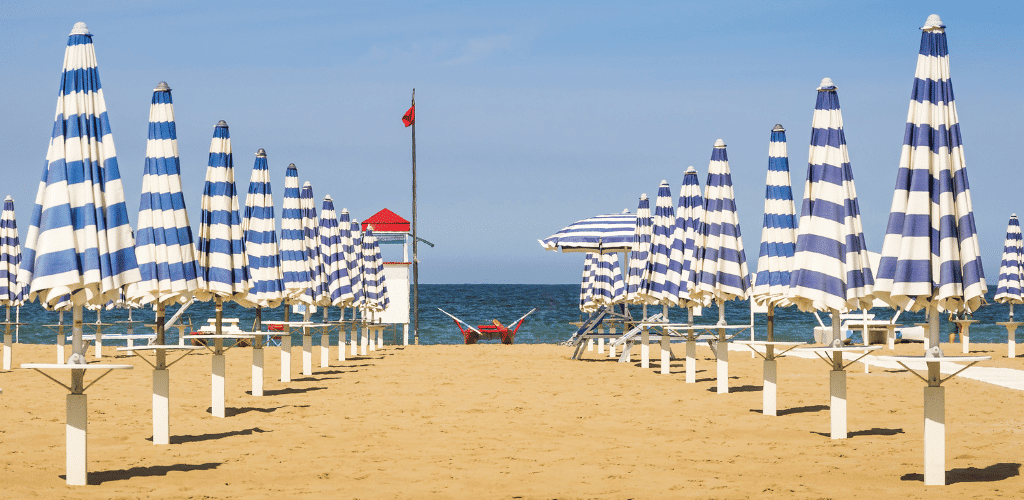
<point>496,421</point>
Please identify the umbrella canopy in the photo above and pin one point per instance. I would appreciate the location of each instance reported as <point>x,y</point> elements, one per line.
<point>335,267</point>
<point>587,285</point>
<point>260,231</point>
<point>374,287</point>
<point>601,234</point>
<point>688,219</point>
<point>352,280</point>
<point>83,246</point>
<point>659,283</point>
<point>831,267</point>
<point>316,293</point>
<point>931,254</point>
<point>778,234</point>
<point>10,256</point>
<point>721,264</point>
<point>164,245</point>
<point>639,250</point>
<point>223,266</point>
<point>608,287</point>
<point>294,259</point>
<point>1011,271</point>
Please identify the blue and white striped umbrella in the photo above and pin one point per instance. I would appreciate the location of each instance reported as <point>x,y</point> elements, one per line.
<point>260,231</point>
<point>84,245</point>
<point>602,234</point>
<point>374,286</point>
<point>587,285</point>
<point>355,265</point>
<point>659,283</point>
<point>332,255</point>
<point>831,269</point>
<point>164,245</point>
<point>10,257</point>
<point>294,260</point>
<point>1011,271</point>
<point>688,219</point>
<point>223,266</point>
<point>778,234</point>
<point>350,283</point>
<point>639,250</point>
<point>931,255</point>
<point>721,264</point>
<point>316,293</point>
<point>608,287</point>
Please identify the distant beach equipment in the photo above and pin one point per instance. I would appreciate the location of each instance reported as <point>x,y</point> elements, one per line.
<point>599,234</point>
<point>1011,280</point>
<point>10,261</point>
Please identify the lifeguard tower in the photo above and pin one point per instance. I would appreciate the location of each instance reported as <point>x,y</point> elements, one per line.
<point>392,229</point>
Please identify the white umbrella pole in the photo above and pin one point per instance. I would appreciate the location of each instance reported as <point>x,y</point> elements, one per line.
<point>769,388</point>
<point>76,428</point>
<point>7,341</point>
<point>307,344</point>
<point>645,344</point>
<point>837,385</point>
<point>341,335</point>
<point>380,338</point>
<point>98,345</point>
<point>364,339</point>
<point>666,367</point>
<point>933,327</point>
<point>258,355</point>
<point>218,369</point>
<point>1011,337</point>
<point>691,350</point>
<point>325,342</point>
<point>61,340</point>
<point>354,333</point>
<point>934,428</point>
<point>286,348</point>
<point>161,385</point>
<point>722,352</point>
<point>17,327</point>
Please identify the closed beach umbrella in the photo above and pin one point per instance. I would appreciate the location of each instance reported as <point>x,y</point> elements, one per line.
<point>260,230</point>
<point>688,219</point>
<point>354,256</point>
<point>659,283</point>
<point>83,247</point>
<point>375,288</point>
<point>608,286</point>
<point>10,261</point>
<point>348,284</point>
<point>316,293</point>
<point>587,284</point>
<point>778,233</point>
<point>639,250</point>
<point>223,266</point>
<point>294,259</point>
<point>1011,271</point>
<point>335,268</point>
<point>601,234</point>
<point>930,256</point>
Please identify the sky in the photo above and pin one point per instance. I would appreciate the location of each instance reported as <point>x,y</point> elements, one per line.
<point>530,115</point>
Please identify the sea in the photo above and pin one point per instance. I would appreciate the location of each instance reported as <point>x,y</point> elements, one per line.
<point>551,323</point>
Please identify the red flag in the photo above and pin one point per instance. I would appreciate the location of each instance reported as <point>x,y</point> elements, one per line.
<point>410,116</point>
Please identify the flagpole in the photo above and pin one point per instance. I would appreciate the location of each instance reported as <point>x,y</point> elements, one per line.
<point>415,260</point>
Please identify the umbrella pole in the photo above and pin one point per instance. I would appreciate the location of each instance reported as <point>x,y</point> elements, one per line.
<point>691,350</point>
<point>76,428</point>
<point>161,384</point>
<point>257,355</point>
<point>325,341</point>
<point>837,384</point>
<point>645,344</point>
<point>17,326</point>
<point>307,343</point>
<point>933,326</point>
<point>769,386</point>
<point>7,341</point>
<point>364,339</point>
<point>286,348</point>
<point>61,340</point>
<point>354,333</point>
<point>722,352</point>
<point>666,347</point>
<point>217,375</point>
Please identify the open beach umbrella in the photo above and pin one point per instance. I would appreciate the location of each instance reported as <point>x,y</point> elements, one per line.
<point>659,282</point>
<point>778,233</point>
<point>260,231</point>
<point>223,265</point>
<point>721,264</point>
<point>294,259</point>
<point>10,261</point>
<point>639,250</point>
<point>79,243</point>
<point>930,256</point>
<point>587,285</point>
<point>600,234</point>
<point>1011,270</point>
<point>688,219</point>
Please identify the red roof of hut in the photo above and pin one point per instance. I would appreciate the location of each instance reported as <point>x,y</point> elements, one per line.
<point>388,221</point>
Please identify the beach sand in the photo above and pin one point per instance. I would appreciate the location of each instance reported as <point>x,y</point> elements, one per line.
<point>496,421</point>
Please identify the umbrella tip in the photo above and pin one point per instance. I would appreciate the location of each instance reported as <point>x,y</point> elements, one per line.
<point>162,87</point>
<point>778,128</point>
<point>291,165</point>
<point>344,210</point>
<point>262,153</point>
<point>306,185</point>
<point>690,169</point>
<point>664,182</point>
<point>933,22</point>
<point>719,143</point>
<point>222,123</point>
<point>643,196</point>
<point>80,29</point>
<point>328,197</point>
<point>826,84</point>
<point>625,210</point>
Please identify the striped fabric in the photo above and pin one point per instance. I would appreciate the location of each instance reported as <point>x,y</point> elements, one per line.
<point>355,264</point>
<point>294,261</point>
<point>639,250</point>
<point>374,286</point>
<point>350,282</point>
<point>164,245</point>
<point>332,255</point>
<point>931,253</point>
<point>317,291</point>
<point>10,256</point>
<point>721,264</point>
<point>659,283</point>
<point>608,287</point>
<point>1011,271</point>
<point>831,269</point>
<point>587,284</point>
<point>604,233</point>
<point>69,251</point>
<point>778,234</point>
<point>688,219</point>
<point>260,231</point>
<point>223,267</point>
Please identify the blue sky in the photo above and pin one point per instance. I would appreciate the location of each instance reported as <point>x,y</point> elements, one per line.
<point>531,115</point>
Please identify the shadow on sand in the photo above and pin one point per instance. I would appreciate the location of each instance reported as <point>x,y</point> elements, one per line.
<point>877,431</point>
<point>195,438</point>
<point>996,472</point>
<point>287,390</point>
<point>739,388</point>
<point>100,477</point>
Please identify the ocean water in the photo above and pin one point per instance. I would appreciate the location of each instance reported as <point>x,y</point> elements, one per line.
<point>479,304</point>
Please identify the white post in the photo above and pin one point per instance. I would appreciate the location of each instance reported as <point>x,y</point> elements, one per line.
<point>76,440</point>
<point>60,338</point>
<point>722,353</point>
<point>932,339</point>
<point>600,345</point>
<point>611,348</point>
<point>325,345</point>
<point>666,349</point>
<point>354,334</point>
<point>217,379</point>
<point>405,333</point>
<point>691,358</point>
<point>1011,340</point>
<point>341,339</point>
<point>307,345</point>
<point>934,431</point>
<point>161,406</point>
<point>380,337</point>
<point>7,349</point>
<point>590,345</point>
<point>965,338</point>
<point>364,340</point>
<point>645,344</point>
<point>286,348</point>
<point>770,388</point>
<point>257,370</point>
